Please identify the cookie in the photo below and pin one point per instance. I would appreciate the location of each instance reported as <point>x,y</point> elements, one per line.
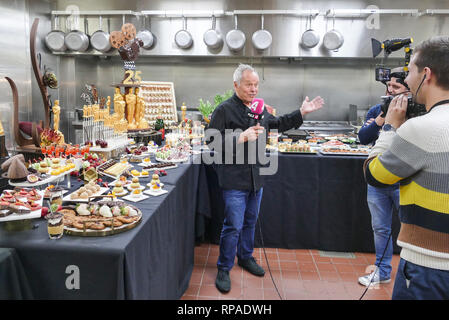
<point>129,31</point>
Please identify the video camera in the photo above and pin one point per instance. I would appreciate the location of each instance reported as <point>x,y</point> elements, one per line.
<point>413,109</point>
<point>384,74</point>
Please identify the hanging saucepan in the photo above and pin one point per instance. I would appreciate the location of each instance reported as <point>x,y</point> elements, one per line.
<point>212,37</point>
<point>183,38</point>
<point>55,38</point>
<point>310,37</point>
<point>262,39</point>
<point>333,39</point>
<point>146,36</point>
<point>77,40</point>
<point>235,39</point>
<point>100,39</point>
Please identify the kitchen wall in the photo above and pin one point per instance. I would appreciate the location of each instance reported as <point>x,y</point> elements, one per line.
<point>287,71</point>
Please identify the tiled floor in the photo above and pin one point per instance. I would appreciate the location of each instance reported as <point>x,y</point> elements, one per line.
<point>298,274</point>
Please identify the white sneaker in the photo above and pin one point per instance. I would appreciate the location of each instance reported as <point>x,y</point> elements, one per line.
<point>372,279</point>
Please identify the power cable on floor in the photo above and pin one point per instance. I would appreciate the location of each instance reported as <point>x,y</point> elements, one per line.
<point>266,259</point>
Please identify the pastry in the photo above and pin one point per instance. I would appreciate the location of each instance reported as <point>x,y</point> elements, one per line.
<point>135,173</point>
<point>118,188</point>
<point>135,183</point>
<point>136,193</point>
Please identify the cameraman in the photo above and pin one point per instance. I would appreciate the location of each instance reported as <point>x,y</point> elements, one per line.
<point>381,200</point>
<point>415,152</point>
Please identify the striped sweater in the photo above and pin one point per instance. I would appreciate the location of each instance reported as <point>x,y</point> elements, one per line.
<point>417,156</point>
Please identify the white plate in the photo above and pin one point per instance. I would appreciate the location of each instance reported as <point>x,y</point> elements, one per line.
<point>133,199</point>
<point>155,193</point>
<point>32,215</point>
<point>173,166</point>
<point>173,161</point>
<point>63,192</point>
<point>125,192</point>
<point>99,193</point>
<point>149,185</point>
<point>144,164</point>
<point>131,189</point>
<point>112,184</point>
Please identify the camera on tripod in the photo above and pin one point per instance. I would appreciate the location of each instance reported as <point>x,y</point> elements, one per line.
<point>384,74</point>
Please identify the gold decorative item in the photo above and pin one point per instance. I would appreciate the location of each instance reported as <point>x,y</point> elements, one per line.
<point>90,175</point>
<point>183,109</point>
<point>131,101</point>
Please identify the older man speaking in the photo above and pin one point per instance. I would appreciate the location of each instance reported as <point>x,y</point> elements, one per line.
<point>242,183</point>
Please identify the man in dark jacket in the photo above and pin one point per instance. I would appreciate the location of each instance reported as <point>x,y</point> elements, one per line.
<point>241,181</point>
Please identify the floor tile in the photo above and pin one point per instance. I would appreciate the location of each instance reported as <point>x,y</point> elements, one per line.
<point>300,274</point>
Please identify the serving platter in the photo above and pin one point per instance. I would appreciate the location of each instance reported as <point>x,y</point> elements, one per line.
<point>107,231</point>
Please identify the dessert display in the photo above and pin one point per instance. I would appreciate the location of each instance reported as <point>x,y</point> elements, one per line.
<point>345,150</point>
<point>157,166</point>
<point>91,189</point>
<point>20,202</point>
<point>100,219</point>
<point>51,189</point>
<point>159,100</point>
<point>178,153</point>
<point>295,148</point>
<point>112,168</point>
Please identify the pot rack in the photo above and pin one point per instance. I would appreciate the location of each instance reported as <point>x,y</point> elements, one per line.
<point>337,13</point>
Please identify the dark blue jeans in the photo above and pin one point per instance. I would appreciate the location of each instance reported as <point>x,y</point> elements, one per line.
<point>414,282</point>
<point>381,202</point>
<point>239,225</point>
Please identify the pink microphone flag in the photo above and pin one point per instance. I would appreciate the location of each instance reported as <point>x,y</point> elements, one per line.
<point>257,106</point>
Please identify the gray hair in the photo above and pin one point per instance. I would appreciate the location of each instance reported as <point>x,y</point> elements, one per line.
<point>238,73</point>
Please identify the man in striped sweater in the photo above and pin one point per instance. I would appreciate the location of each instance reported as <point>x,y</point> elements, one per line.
<point>415,153</point>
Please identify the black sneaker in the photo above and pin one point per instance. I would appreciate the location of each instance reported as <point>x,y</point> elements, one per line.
<point>251,266</point>
<point>223,282</point>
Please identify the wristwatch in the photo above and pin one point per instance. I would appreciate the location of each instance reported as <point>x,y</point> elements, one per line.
<point>388,127</point>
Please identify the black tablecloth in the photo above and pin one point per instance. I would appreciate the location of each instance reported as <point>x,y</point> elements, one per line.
<point>312,202</point>
<point>13,280</point>
<point>152,261</point>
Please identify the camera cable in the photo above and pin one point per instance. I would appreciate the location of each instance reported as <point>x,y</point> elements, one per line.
<point>377,268</point>
<point>266,259</point>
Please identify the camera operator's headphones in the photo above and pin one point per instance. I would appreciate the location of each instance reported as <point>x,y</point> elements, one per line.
<point>400,76</point>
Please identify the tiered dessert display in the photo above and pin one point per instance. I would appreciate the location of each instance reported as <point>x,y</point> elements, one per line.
<point>159,100</point>
<point>107,131</point>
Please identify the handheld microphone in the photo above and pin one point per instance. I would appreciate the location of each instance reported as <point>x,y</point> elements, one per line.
<point>256,111</point>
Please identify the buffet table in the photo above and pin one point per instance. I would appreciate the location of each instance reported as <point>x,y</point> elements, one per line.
<point>13,279</point>
<point>312,202</point>
<point>152,261</point>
